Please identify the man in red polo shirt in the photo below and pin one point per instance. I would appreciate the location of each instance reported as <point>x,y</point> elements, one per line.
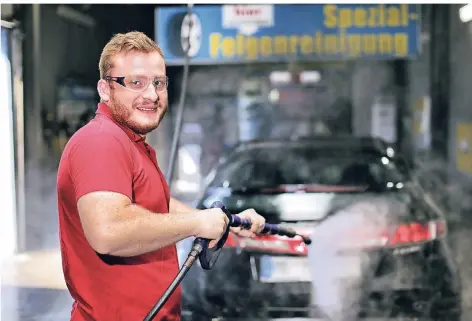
<point>118,223</point>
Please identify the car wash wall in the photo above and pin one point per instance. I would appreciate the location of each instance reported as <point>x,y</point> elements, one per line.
<point>267,71</point>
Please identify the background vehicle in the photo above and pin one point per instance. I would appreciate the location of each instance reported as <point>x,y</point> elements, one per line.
<point>378,247</point>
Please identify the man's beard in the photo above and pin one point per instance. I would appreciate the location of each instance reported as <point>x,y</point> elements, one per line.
<point>122,115</point>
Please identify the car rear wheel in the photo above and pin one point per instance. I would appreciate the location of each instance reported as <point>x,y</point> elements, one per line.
<point>448,317</point>
<point>222,291</point>
<point>451,312</point>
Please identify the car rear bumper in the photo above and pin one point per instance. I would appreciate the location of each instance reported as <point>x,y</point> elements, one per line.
<point>402,288</point>
<point>188,316</point>
<point>316,319</point>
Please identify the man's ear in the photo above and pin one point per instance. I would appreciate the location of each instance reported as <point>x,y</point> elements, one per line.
<point>103,88</point>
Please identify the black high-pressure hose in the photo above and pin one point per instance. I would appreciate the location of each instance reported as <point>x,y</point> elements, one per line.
<point>208,256</point>
<point>192,257</point>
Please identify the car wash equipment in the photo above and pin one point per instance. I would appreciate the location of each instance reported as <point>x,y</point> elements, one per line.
<point>181,106</point>
<point>208,256</point>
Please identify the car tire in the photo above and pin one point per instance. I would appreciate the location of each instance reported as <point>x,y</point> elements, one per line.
<point>192,291</point>
<point>453,313</point>
<point>209,294</point>
<point>227,284</point>
<point>448,317</point>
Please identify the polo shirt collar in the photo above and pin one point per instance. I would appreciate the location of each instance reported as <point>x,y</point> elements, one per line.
<point>103,109</point>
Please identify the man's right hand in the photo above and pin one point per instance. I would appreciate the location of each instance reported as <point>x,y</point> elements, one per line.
<point>212,225</point>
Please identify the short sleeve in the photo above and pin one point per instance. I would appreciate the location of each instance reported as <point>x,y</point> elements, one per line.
<point>100,164</point>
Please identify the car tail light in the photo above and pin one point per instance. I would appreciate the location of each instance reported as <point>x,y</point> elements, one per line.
<point>417,232</point>
<point>401,235</point>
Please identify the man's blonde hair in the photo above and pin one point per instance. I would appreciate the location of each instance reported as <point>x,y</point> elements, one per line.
<point>124,43</point>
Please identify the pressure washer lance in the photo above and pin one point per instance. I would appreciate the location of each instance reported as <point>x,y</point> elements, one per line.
<point>208,256</point>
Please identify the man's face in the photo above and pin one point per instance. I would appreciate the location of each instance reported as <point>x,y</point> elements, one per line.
<point>140,109</point>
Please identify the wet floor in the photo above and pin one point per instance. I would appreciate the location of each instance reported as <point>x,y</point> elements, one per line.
<point>33,288</point>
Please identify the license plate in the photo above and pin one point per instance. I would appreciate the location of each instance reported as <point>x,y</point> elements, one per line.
<point>337,268</point>
<point>277,269</point>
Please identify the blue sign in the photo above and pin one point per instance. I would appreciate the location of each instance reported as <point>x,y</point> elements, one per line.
<point>306,32</point>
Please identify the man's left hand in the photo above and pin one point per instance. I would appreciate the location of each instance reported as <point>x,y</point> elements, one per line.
<point>257,224</point>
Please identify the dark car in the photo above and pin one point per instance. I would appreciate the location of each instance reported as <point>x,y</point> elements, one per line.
<point>379,246</point>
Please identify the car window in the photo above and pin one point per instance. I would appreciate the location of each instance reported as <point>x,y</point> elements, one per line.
<point>271,167</point>
<point>235,171</point>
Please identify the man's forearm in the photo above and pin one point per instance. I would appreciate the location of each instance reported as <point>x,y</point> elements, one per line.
<point>140,231</point>
<point>176,206</point>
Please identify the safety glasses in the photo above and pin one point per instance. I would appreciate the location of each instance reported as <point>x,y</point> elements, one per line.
<point>141,83</point>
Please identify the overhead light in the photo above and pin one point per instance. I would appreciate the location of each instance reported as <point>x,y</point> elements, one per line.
<point>465,13</point>
<point>274,96</point>
<point>310,77</point>
<point>285,77</point>
<point>280,77</point>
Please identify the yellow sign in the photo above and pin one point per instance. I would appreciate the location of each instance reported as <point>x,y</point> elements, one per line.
<point>421,122</point>
<point>417,116</point>
<point>349,31</point>
<point>464,147</point>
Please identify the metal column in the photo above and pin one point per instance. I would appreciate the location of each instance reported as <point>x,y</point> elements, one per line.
<point>17,70</point>
<point>16,61</point>
<point>36,135</point>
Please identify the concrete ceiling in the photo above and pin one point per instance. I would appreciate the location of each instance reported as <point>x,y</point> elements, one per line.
<point>113,17</point>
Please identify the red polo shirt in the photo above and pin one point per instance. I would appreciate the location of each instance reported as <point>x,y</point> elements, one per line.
<point>105,156</point>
